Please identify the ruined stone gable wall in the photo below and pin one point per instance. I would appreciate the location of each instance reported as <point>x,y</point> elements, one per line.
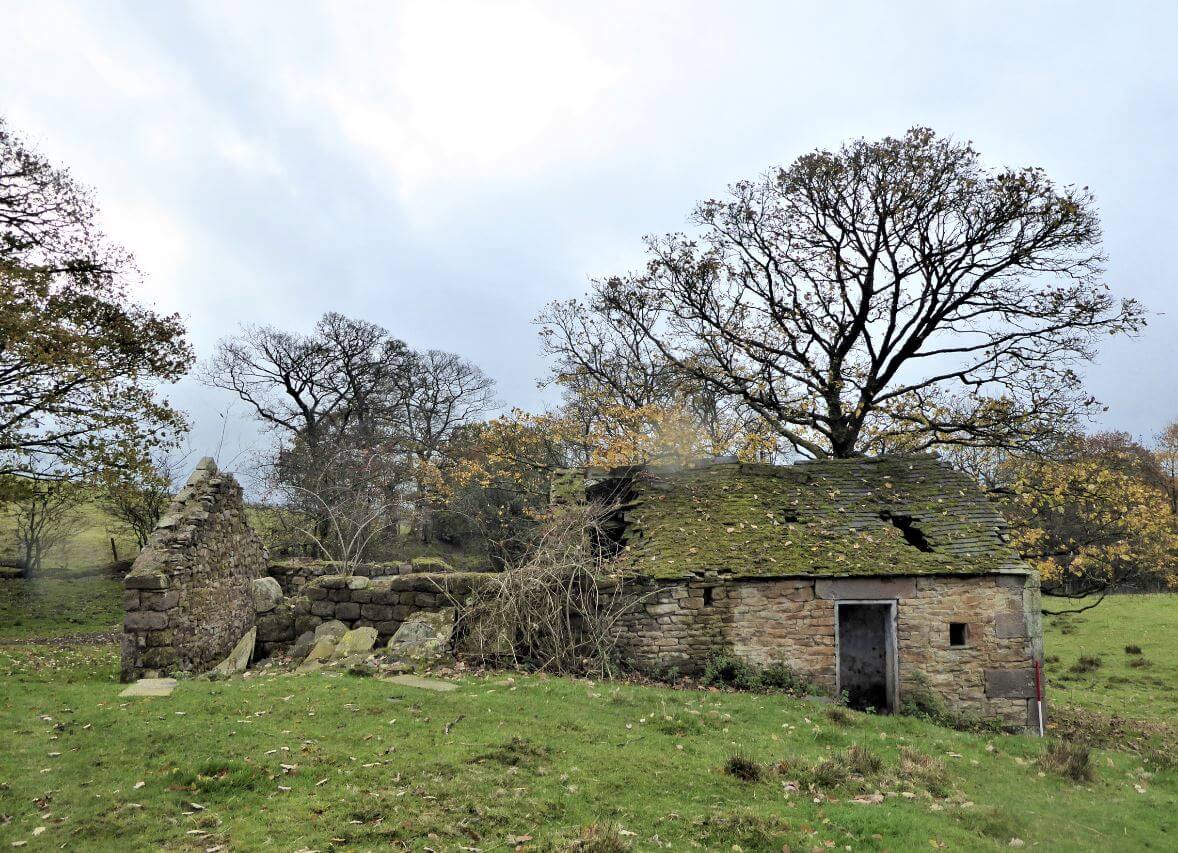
<point>792,621</point>
<point>188,599</point>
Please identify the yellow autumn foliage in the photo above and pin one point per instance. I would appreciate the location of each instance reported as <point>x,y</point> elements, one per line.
<point>1087,521</point>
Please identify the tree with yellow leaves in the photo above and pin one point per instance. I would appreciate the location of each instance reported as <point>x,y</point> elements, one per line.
<point>1092,516</point>
<point>501,481</point>
<point>1166,451</point>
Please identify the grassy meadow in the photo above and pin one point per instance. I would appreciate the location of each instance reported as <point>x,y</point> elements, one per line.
<point>322,762</point>
<point>1118,658</point>
<point>87,551</point>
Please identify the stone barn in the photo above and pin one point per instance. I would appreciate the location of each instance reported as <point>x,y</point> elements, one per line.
<point>883,579</point>
<point>878,578</point>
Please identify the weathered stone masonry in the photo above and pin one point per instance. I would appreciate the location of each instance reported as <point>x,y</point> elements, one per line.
<point>754,561</point>
<point>358,601</point>
<point>188,599</point>
<point>293,575</point>
<point>759,561</point>
<point>792,621</point>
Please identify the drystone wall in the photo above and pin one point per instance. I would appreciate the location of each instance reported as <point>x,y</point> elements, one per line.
<point>188,596</point>
<point>293,575</point>
<point>358,602</point>
<point>793,621</point>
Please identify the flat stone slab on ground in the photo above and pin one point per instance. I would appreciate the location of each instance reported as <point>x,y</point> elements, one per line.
<point>423,683</point>
<point>151,687</point>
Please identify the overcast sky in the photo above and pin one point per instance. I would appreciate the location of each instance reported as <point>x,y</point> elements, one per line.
<point>446,168</point>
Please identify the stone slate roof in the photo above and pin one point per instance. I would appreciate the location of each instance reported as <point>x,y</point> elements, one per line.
<point>894,515</point>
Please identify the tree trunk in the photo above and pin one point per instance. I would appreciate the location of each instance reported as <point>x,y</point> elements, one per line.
<point>26,563</point>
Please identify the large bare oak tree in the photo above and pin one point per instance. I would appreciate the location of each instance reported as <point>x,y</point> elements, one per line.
<point>891,294</point>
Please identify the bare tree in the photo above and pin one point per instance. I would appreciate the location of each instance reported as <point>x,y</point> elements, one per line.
<point>136,498</point>
<point>439,393</point>
<point>890,291</point>
<point>351,387</point>
<point>350,378</point>
<point>609,363</point>
<point>311,386</point>
<point>342,499</point>
<point>557,609</point>
<point>44,513</point>
<point>607,356</point>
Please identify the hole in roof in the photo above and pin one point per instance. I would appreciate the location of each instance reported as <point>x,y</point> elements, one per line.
<point>913,535</point>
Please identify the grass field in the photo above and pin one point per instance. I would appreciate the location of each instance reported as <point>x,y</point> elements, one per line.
<point>86,551</point>
<point>320,762</point>
<point>1141,683</point>
<point>51,607</point>
<point>316,762</point>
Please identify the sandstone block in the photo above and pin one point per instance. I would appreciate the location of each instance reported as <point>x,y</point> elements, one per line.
<point>333,629</point>
<point>865,588</point>
<point>154,639</point>
<point>376,612</point>
<point>303,645</point>
<point>306,622</point>
<point>239,658</point>
<point>321,651</point>
<point>145,620</point>
<point>1010,683</point>
<point>661,609</point>
<point>356,641</point>
<point>347,611</point>
<point>1010,581</point>
<point>423,639</point>
<point>276,627</point>
<point>266,594</point>
<point>1010,624</point>
<point>158,600</point>
<point>153,580</point>
<point>158,658</point>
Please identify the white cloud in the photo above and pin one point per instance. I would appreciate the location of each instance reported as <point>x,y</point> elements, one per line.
<point>445,167</point>
<point>249,157</point>
<point>454,93</point>
<point>162,244</point>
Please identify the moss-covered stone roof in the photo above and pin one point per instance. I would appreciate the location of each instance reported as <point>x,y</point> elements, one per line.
<point>868,516</point>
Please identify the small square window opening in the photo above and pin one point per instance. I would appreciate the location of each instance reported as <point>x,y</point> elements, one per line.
<point>958,633</point>
<point>709,595</point>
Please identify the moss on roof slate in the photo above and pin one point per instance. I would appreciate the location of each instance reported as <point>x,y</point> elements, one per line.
<point>829,517</point>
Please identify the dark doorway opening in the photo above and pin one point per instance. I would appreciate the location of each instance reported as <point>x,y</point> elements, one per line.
<point>866,644</point>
